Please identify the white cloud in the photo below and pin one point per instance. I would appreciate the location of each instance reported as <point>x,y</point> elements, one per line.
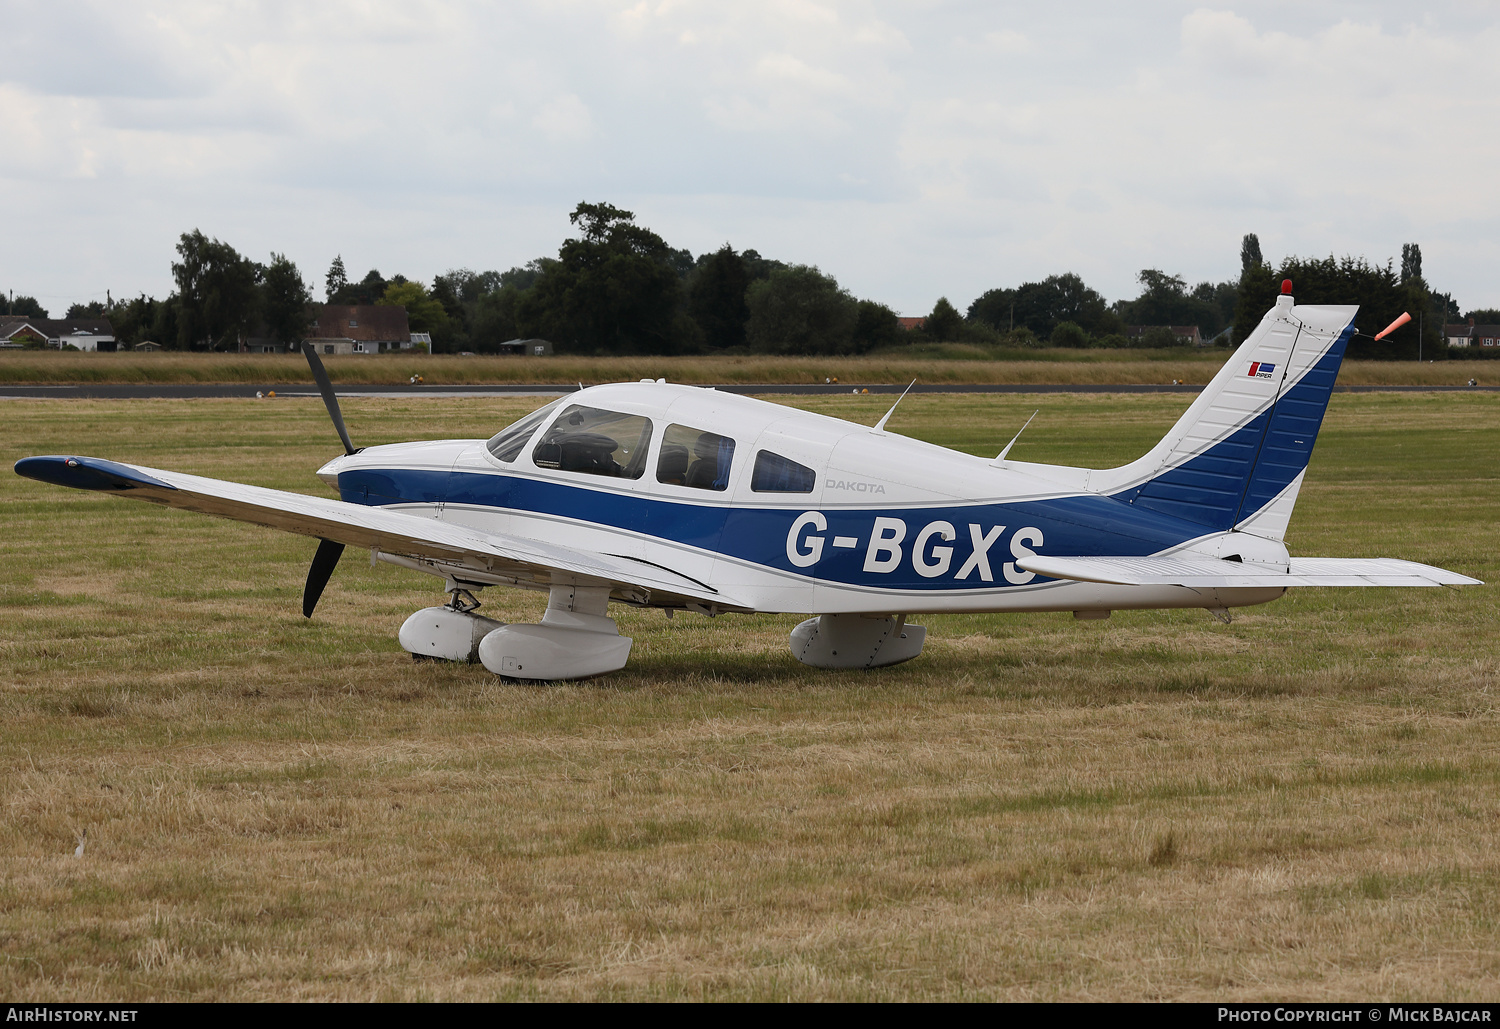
<point>565,119</point>
<point>1007,41</point>
<point>911,149</point>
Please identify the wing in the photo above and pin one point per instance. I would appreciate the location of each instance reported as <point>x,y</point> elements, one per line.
<point>466,554</point>
<point>1209,572</point>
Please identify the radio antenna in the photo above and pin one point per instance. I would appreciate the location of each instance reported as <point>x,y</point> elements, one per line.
<point>880,425</point>
<point>1017,436</point>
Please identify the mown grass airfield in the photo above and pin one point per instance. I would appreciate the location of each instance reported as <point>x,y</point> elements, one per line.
<point>1299,804</point>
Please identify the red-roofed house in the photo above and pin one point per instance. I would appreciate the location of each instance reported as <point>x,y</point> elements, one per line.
<point>361,329</point>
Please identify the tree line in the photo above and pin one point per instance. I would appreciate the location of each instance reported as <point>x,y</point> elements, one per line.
<point>616,287</point>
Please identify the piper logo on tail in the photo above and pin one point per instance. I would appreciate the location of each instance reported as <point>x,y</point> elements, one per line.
<point>1261,370</point>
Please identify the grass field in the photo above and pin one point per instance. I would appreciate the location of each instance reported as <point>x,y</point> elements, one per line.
<point>1302,804</point>
<point>945,363</point>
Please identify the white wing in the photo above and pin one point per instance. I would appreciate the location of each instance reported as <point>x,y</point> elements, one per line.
<point>1209,572</point>
<point>453,548</point>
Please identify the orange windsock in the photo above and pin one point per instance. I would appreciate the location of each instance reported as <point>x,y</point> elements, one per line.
<point>1383,333</point>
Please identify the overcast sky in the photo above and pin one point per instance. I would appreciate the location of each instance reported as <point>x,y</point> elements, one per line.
<point>910,149</point>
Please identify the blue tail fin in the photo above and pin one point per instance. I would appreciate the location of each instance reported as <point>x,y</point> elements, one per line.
<point>1237,455</point>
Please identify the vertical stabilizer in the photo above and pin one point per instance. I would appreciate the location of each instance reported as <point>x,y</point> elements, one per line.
<point>1235,458</point>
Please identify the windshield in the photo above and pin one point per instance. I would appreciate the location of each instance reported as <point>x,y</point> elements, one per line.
<point>511,440</point>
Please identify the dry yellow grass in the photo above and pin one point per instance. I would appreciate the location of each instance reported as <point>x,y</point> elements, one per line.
<point>1047,367</point>
<point>1299,805</point>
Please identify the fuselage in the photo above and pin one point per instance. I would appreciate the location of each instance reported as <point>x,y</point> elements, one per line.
<point>781,510</point>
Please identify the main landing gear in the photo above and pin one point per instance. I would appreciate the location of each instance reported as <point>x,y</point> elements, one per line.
<point>856,641</point>
<point>575,640</point>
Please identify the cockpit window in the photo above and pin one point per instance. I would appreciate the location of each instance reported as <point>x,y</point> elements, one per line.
<point>595,441</point>
<point>508,443</point>
<point>692,457</point>
<point>776,474</point>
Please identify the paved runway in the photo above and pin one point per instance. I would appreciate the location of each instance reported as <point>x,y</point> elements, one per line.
<point>136,391</point>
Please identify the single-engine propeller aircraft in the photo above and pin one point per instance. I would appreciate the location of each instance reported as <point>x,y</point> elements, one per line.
<point>689,499</point>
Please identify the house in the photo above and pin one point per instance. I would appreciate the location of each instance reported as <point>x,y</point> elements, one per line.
<point>1472,335</point>
<point>334,345</point>
<point>147,347</point>
<point>911,324</point>
<point>1187,335</point>
<point>82,333</point>
<point>527,347</point>
<point>361,329</point>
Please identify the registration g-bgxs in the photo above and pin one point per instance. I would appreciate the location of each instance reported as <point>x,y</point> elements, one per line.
<point>691,500</point>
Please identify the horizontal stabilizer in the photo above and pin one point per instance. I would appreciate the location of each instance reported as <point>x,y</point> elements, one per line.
<point>1211,572</point>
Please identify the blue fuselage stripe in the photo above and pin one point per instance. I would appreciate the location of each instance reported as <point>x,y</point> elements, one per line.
<point>1075,525</point>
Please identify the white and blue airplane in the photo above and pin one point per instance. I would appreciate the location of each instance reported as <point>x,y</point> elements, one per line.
<point>688,499</point>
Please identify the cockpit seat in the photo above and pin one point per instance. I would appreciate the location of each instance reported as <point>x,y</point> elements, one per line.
<point>672,467</point>
<point>703,473</point>
<point>589,452</point>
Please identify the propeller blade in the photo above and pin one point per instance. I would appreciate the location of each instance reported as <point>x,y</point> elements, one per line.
<point>323,563</point>
<point>330,399</point>
<point>1383,333</point>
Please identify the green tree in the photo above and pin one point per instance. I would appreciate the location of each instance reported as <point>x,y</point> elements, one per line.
<point>24,306</point>
<point>1256,295</point>
<point>217,292</point>
<point>423,312</point>
<point>1411,262</point>
<point>1069,334</point>
<point>525,276</point>
<point>614,289</point>
<point>716,298</point>
<point>134,321</point>
<point>284,300</point>
<point>1380,294</point>
<point>944,323</point>
<point>368,290</point>
<point>876,325</point>
<point>92,309</point>
<point>1220,299</point>
<point>336,279</point>
<point>493,319</point>
<point>760,267</point>
<point>1250,253</point>
<point>165,328</point>
<point>1039,306</point>
<point>1165,300</point>
<point>799,310</point>
<point>1157,337</point>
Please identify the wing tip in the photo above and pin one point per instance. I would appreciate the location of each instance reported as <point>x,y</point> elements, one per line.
<point>90,473</point>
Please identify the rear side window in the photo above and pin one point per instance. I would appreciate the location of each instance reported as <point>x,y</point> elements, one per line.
<point>776,474</point>
<point>506,444</point>
<point>694,458</point>
<point>596,442</point>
